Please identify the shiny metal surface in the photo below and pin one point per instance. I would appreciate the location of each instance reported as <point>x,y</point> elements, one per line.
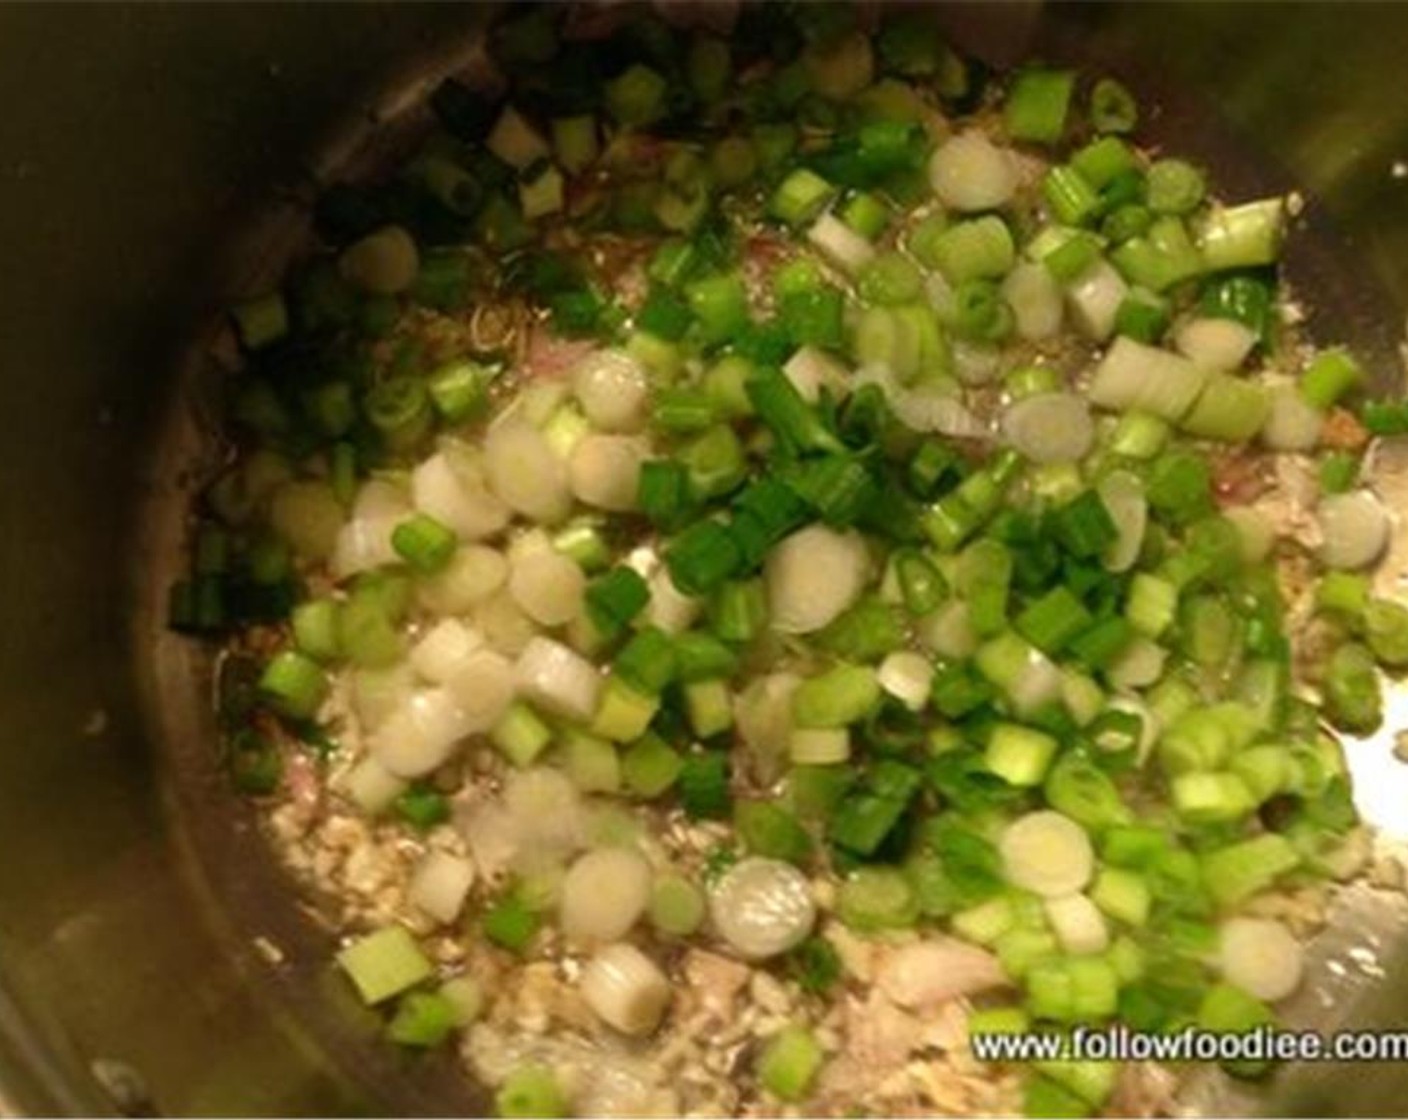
<point>151,163</point>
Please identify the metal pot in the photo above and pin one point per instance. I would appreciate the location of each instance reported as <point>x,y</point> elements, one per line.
<point>152,163</point>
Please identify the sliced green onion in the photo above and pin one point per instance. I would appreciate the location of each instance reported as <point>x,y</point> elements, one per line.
<point>1082,791</point>
<point>663,315</point>
<point>703,786</point>
<point>614,599</point>
<point>423,807</point>
<point>783,409</point>
<point>400,409</point>
<point>315,629</point>
<point>1164,257</point>
<point>1330,375</point>
<point>1384,418</point>
<point>1175,187</point>
<point>816,965</point>
<point>876,898</point>
<point>647,661</point>
<point>520,734</point>
<point>1151,604</point>
<point>261,321</point>
<point>1037,104</point>
<point>541,194</point>
<point>1125,223</point>
<point>709,706</point>
<point>1072,257</point>
<point>813,318</point>
<point>981,249</point>
<point>1244,236</point>
<point>1353,694</point>
<point>981,313</point>
<point>1072,200</point>
<point>1112,107</point>
<point>1244,299</point>
<point>819,746</point>
<point>841,696</point>
<point>683,410</point>
<point>1228,1008</point>
<point>256,765</point>
<point>677,907</point>
<point>592,763</point>
<point>1101,645</point>
<point>837,488</point>
<point>1019,755</point>
<point>931,467</point>
<point>1205,737</point>
<point>866,214</point>
<point>702,558</point>
<point>733,160</point>
<point>574,142</point>
<point>1180,486</point>
<point>459,390</point>
<point>1386,632</point>
<point>650,766</point>
<point>1091,1081</point>
<point>1122,894</point>
<point>768,830</point>
<point>862,822</point>
<point>764,513</point>
<point>865,632</point>
<point>530,1091</point>
<point>510,923</point>
<point>1229,409</point>
<point>623,713</point>
<point>466,998</point>
<point>720,306</point>
<point>582,541</point>
<point>725,385</point>
<point>921,585</point>
<point>426,544</point>
<point>1339,472</point>
<point>637,96</point>
<point>1084,526</point>
<point>422,1020</point>
<point>923,240</point>
<point>1019,949</point>
<point>663,492</point>
<point>1237,871</point>
<point>1044,1096</point>
<point>1103,161</point>
<point>1050,622</point>
<point>294,685</point>
<point>957,516</point>
<point>889,280</point>
<point>1139,435</point>
<point>714,461</point>
<point>1073,989</point>
<point>1211,798</point>
<point>384,964</point>
<point>1343,593</point>
<point>1142,316</point>
<point>789,1064</point>
<point>1030,381</point>
<point>800,197</point>
<point>703,657</point>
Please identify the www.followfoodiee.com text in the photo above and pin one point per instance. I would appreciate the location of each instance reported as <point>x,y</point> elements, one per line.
<point>1260,1044</point>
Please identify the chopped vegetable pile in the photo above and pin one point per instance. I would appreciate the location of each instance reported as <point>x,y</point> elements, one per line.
<point>748,496</point>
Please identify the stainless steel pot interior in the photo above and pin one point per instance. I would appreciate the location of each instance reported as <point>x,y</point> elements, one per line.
<point>151,956</point>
